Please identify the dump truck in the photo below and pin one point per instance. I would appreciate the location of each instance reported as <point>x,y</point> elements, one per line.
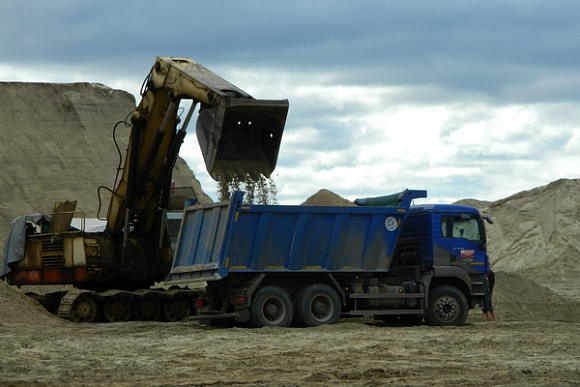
<point>282,265</point>
<point>112,270</point>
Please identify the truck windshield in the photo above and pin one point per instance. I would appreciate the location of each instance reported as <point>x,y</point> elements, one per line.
<point>458,227</point>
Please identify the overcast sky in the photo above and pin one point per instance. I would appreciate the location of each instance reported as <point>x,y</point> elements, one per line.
<point>466,99</point>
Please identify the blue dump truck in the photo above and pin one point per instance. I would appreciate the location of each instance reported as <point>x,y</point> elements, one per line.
<point>282,265</point>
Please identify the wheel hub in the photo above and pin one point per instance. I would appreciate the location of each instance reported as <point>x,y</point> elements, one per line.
<point>271,311</point>
<point>319,308</point>
<point>446,308</point>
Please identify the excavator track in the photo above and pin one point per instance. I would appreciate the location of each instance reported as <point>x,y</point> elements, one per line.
<point>78,306</point>
<point>117,305</point>
<point>85,306</point>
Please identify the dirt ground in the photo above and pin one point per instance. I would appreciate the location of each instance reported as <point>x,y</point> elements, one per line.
<point>351,353</point>
<point>536,341</point>
<point>38,349</point>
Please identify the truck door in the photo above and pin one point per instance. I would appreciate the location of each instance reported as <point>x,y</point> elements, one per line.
<point>465,236</point>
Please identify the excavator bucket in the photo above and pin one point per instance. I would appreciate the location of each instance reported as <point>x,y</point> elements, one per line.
<point>241,136</point>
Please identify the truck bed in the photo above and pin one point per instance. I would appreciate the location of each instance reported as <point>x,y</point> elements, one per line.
<point>228,237</point>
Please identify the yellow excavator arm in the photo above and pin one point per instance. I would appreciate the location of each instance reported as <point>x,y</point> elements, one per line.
<point>237,134</point>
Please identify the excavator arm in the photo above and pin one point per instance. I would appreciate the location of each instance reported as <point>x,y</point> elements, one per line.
<point>237,134</point>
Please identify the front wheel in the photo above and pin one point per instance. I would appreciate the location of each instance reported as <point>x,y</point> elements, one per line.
<point>447,306</point>
<point>272,307</point>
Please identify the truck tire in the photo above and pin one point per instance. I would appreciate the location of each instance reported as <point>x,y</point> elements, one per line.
<point>317,304</point>
<point>447,306</point>
<point>272,307</point>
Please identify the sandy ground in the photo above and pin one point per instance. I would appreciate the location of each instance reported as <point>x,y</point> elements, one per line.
<point>39,349</point>
<point>351,353</point>
<point>536,341</point>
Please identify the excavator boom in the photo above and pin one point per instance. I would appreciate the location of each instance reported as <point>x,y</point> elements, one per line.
<point>237,134</point>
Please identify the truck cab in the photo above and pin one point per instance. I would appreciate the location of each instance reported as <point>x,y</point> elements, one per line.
<point>444,245</point>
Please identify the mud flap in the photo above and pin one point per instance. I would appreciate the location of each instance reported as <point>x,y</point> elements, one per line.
<point>241,136</point>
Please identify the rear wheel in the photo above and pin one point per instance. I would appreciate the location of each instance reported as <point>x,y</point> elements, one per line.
<point>317,304</point>
<point>447,306</point>
<point>272,307</point>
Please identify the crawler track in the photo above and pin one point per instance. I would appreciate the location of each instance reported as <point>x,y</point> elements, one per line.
<point>85,306</point>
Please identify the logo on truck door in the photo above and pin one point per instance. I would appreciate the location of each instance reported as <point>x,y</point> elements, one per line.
<point>391,223</point>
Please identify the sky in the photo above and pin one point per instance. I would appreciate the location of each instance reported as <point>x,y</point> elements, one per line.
<point>466,99</point>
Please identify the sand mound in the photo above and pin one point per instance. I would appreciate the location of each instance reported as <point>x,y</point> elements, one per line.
<point>536,234</point>
<point>57,144</point>
<point>325,197</point>
<point>521,299</point>
<point>19,310</point>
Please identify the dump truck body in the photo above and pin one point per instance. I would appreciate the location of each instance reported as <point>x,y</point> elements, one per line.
<point>274,265</point>
<point>233,237</point>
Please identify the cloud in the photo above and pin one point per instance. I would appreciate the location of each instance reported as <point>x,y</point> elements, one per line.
<point>463,99</point>
<point>372,140</point>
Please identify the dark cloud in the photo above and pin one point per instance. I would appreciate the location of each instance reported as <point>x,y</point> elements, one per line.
<point>505,49</point>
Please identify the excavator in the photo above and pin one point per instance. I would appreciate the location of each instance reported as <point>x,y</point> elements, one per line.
<point>112,271</point>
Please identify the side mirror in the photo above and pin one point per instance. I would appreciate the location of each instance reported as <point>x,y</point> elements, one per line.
<point>488,219</point>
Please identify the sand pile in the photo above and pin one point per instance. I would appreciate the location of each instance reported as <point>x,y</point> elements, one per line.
<point>19,310</point>
<point>536,234</point>
<point>325,197</point>
<point>518,298</point>
<point>57,144</point>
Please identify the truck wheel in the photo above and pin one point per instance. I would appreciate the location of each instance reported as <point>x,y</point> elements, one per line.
<point>317,304</point>
<point>272,307</point>
<point>447,306</point>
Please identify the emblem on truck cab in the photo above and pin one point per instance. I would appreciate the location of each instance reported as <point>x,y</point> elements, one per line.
<point>467,254</point>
